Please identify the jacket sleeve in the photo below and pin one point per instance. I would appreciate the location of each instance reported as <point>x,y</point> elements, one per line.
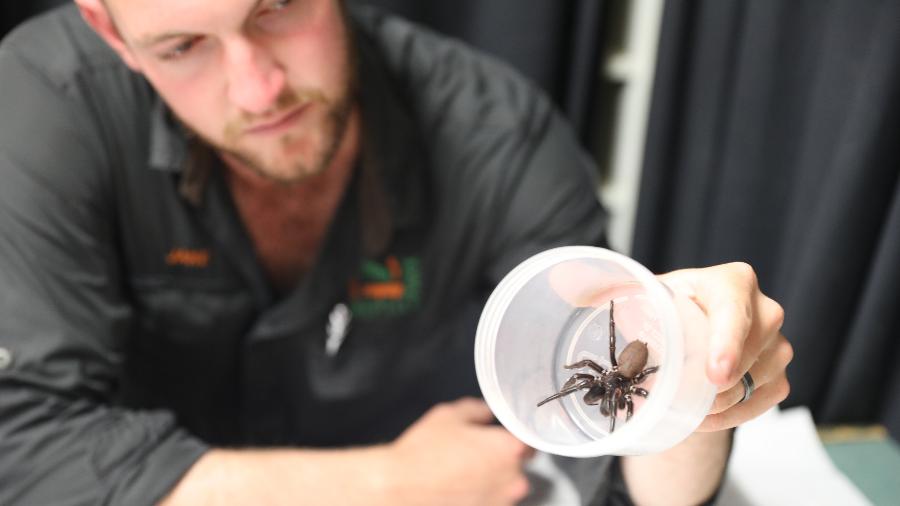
<point>64,315</point>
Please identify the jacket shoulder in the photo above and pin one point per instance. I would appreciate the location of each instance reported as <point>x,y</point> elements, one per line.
<point>448,80</point>
<point>59,46</point>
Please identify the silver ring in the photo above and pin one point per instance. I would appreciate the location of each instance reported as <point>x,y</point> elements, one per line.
<point>749,386</point>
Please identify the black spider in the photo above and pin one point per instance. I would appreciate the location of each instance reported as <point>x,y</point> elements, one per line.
<point>612,389</point>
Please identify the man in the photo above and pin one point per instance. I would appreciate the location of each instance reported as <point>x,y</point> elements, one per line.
<point>243,253</point>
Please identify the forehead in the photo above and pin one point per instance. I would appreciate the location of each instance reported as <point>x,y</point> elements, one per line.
<point>141,18</point>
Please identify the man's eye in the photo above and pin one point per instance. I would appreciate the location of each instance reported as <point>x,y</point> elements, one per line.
<point>180,50</point>
<point>277,5</point>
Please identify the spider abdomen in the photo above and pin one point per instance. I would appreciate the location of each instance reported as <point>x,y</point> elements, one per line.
<point>633,359</point>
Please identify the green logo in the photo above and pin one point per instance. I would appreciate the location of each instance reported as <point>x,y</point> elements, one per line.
<point>386,289</point>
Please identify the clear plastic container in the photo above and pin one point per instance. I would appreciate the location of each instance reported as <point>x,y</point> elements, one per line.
<point>553,310</point>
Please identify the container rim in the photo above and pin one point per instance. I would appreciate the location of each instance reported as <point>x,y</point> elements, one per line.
<point>630,438</point>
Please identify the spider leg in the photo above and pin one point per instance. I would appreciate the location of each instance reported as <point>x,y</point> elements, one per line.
<point>604,405</point>
<point>639,391</point>
<point>613,401</point>
<point>569,390</point>
<point>587,363</point>
<point>629,407</point>
<point>576,378</point>
<point>641,376</point>
<point>612,336</point>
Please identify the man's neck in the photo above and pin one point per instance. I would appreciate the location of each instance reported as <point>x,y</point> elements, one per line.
<point>287,222</point>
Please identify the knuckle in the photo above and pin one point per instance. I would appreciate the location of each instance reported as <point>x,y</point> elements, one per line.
<point>439,410</point>
<point>777,313</point>
<point>786,351</point>
<point>746,272</point>
<point>462,402</point>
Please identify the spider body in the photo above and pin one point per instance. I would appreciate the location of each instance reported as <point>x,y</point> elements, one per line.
<point>613,389</point>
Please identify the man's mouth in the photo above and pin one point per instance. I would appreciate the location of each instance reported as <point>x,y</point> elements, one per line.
<point>278,123</point>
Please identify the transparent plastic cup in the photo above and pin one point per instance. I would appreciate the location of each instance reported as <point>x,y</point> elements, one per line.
<point>553,310</point>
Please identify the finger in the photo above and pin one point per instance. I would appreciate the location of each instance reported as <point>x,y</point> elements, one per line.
<point>764,334</point>
<point>761,401</point>
<point>728,299</point>
<point>468,409</point>
<point>576,283</point>
<point>770,365</point>
<point>518,488</point>
<point>766,331</point>
<point>499,441</point>
<point>474,410</point>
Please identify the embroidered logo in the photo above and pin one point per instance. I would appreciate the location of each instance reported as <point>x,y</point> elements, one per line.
<point>391,288</point>
<point>196,258</point>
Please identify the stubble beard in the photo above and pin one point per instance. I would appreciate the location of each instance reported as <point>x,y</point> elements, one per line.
<point>332,130</point>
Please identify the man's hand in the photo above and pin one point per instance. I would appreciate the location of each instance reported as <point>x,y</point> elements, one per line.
<point>745,335</point>
<point>452,456</point>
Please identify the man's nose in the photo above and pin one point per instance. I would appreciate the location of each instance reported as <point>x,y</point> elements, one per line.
<point>255,79</point>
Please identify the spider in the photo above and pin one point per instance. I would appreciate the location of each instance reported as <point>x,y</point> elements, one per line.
<point>612,389</point>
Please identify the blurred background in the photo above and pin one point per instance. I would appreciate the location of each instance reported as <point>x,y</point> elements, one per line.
<point>763,131</point>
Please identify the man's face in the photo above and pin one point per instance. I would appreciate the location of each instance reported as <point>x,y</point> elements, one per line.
<point>267,82</point>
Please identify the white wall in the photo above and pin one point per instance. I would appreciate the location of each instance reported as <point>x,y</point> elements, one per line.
<point>632,68</point>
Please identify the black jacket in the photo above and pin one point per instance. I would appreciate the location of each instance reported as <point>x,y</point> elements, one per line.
<point>139,326</point>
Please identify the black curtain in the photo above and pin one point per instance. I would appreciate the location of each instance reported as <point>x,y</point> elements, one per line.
<point>12,13</point>
<point>773,139</point>
<point>555,43</point>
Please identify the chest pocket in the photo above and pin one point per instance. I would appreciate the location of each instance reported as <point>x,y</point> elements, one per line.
<point>185,315</point>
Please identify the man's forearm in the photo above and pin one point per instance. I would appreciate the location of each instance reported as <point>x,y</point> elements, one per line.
<point>451,455</point>
<point>224,477</point>
<point>686,474</point>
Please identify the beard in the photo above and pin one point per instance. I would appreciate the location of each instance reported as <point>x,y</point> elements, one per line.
<point>307,149</point>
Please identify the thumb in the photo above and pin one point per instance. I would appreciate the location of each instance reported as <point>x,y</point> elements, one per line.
<point>729,308</point>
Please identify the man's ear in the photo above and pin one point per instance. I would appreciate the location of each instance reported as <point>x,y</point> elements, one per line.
<point>97,15</point>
